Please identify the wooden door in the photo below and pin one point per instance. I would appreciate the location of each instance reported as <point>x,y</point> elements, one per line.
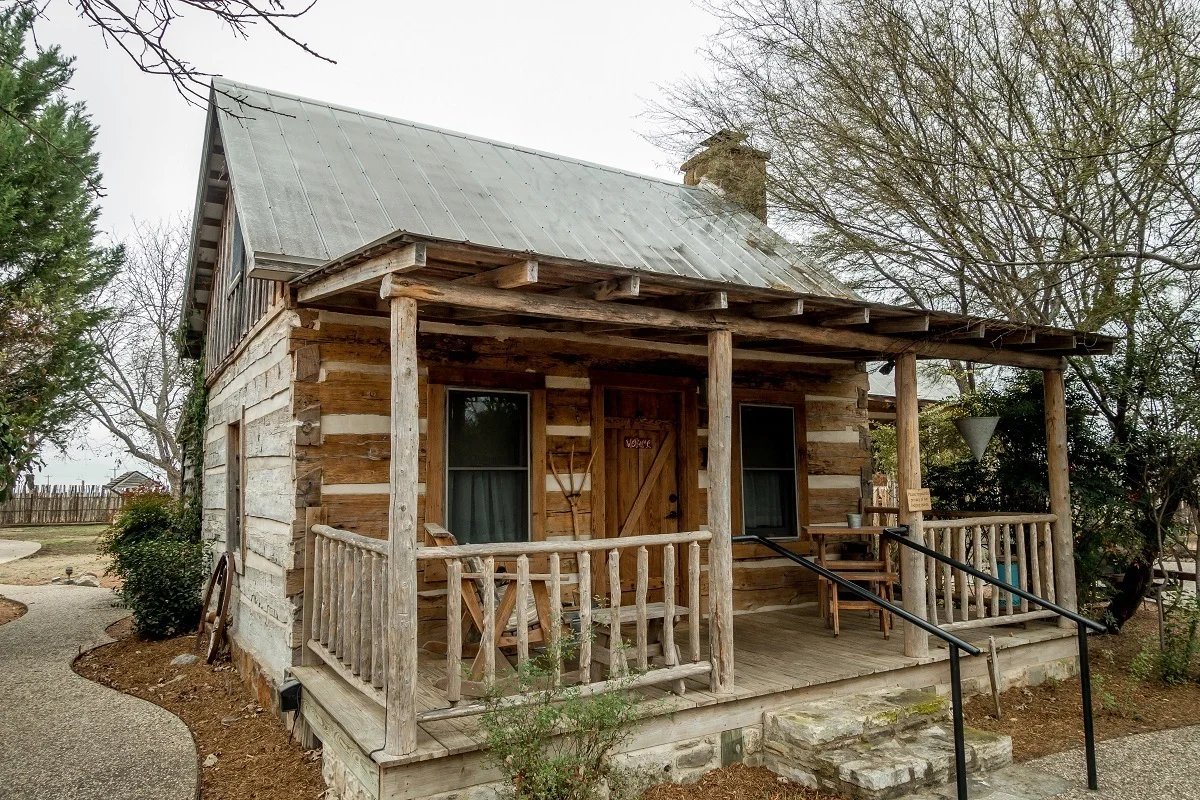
<point>641,444</point>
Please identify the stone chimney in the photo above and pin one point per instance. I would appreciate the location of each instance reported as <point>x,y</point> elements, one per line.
<point>738,169</point>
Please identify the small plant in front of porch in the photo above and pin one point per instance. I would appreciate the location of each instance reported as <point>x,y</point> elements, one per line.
<point>1174,660</point>
<point>560,744</point>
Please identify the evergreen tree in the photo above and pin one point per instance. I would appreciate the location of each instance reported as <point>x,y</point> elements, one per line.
<point>51,264</point>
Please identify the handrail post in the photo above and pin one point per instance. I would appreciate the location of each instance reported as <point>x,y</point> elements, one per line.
<point>720,515</point>
<point>1085,687</point>
<point>960,744</point>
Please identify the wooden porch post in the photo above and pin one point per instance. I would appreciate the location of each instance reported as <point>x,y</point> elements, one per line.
<point>720,509</point>
<point>1060,491</point>
<point>401,629</point>
<point>908,476</point>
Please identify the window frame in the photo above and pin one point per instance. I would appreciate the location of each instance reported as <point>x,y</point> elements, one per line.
<point>447,390</point>
<point>235,490</point>
<point>799,463</point>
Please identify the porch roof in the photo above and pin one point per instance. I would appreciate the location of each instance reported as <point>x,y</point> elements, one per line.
<point>474,284</point>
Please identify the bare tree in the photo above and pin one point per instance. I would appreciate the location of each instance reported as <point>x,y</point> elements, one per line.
<point>1033,159</point>
<point>140,394</point>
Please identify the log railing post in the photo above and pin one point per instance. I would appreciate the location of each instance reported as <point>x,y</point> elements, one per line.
<point>401,710</point>
<point>720,509</point>
<point>908,476</point>
<point>1062,560</point>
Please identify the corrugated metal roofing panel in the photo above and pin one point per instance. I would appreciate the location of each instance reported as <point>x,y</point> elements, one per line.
<point>315,181</point>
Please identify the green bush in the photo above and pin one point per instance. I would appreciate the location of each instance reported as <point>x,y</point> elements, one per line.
<point>559,746</point>
<point>162,581</point>
<point>1175,661</point>
<point>161,570</point>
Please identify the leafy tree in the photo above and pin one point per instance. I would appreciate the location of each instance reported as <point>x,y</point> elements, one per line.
<point>51,266</point>
<point>1034,159</point>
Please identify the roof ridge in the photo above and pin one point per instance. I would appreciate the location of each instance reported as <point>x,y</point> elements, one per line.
<point>458,134</point>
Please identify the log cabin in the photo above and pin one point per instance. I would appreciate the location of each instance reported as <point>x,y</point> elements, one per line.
<point>461,391</point>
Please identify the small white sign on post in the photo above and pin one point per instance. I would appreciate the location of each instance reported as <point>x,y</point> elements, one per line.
<point>919,500</point>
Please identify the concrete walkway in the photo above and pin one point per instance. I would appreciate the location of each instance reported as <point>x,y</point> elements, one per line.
<point>1159,765</point>
<point>12,550</point>
<point>64,736</point>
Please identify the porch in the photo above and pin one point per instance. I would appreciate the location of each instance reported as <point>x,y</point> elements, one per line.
<point>782,656</point>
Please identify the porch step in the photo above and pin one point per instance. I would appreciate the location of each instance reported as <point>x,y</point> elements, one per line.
<point>875,746</point>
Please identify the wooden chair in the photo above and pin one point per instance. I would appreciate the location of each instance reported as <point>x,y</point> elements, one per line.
<point>877,572</point>
<point>505,627</point>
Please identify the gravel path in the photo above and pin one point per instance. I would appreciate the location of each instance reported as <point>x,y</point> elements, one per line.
<point>1159,765</point>
<point>64,736</point>
<point>11,550</point>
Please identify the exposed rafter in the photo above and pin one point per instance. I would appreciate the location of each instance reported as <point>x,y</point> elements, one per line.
<point>408,257</point>
<point>705,301</point>
<point>510,276</point>
<point>625,288</point>
<point>837,319</point>
<point>785,308</point>
<point>917,323</point>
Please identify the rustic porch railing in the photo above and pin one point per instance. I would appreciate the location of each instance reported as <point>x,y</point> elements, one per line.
<point>1016,548</point>
<point>505,601</point>
<point>350,614</point>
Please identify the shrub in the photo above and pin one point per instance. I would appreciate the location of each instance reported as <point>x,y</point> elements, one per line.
<point>161,570</point>
<point>162,581</point>
<point>559,746</point>
<point>1174,662</point>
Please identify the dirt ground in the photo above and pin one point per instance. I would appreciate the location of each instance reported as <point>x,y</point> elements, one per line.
<point>736,782</point>
<point>255,759</point>
<point>76,546</point>
<point>1049,718</point>
<point>10,610</point>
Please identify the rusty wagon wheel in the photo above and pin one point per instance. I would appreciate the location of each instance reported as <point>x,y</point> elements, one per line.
<point>214,619</point>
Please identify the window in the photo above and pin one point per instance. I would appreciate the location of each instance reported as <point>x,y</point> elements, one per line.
<point>237,254</point>
<point>234,506</point>
<point>769,470</point>
<point>487,466</point>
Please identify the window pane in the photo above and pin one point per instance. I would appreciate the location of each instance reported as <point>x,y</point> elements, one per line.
<point>488,505</point>
<point>767,438</point>
<point>487,429</point>
<point>769,498</point>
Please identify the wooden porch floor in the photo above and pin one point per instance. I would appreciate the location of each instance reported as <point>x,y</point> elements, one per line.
<point>774,652</point>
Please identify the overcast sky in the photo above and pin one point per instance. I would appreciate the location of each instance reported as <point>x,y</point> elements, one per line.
<point>570,78</point>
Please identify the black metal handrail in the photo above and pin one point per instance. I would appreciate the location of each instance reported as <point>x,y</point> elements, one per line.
<point>954,645</point>
<point>1083,624</point>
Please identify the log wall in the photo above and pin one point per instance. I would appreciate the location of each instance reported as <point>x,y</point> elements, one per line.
<point>341,429</point>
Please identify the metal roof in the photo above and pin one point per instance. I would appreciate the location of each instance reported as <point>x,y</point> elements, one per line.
<point>314,181</point>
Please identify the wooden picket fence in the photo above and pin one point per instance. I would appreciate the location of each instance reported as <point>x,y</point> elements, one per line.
<point>60,505</point>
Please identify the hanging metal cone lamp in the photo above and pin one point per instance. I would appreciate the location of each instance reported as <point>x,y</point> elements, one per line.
<point>977,433</point>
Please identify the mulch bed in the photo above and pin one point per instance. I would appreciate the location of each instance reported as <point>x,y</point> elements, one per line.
<point>10,610</point>
<point>736,782</point>
<point>1048,718</point>
<point>255,758</point>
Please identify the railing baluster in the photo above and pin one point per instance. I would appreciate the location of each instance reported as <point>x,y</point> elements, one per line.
<point>318,598</point>
<point>948,574</point>
<point>1048,561</point>
<point>995,599</point>
<point>454,630</point>
<point>335,600</point>
<point>643,586</point>
<point>977,539</point>
<point>694,600</point>
<point>584,568</point>
<point>488,642</point>
<point>964,597</point>
<point>556,608</point>
<point>931,576</point>
<point>668,637</point>
<point>1022,566</point>
<point>616,645</point>
<point>350,640</point>
<point>346,577</point>
<point>1035,569</point>
<point>522,590</point>
<point>378,621</point>
<point>364,616</point>
<point>1006,554</point>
